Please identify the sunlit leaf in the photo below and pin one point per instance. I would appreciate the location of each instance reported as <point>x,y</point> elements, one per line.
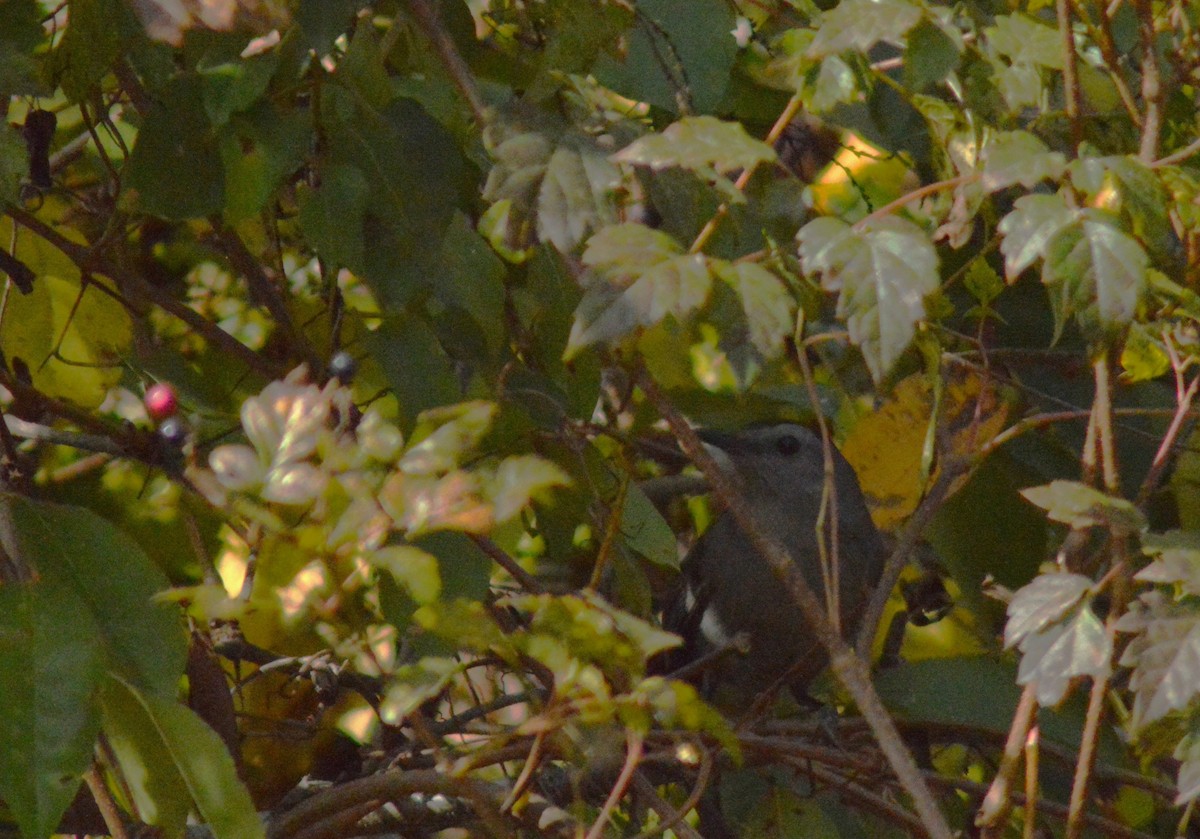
<point>860,24</point>
<point>882,274</point>
<point>769,308</point>
<point>1079,646</point>
<point>413,568</point>
<point>1018,157</point>
<point>518,479</point>
<point>1028,229</point>
<point>165,737</point>
<point>1080,506</point>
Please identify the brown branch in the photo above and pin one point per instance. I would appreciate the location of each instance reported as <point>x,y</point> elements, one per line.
<point>89,263</point>
<point>1062,11</point>
<point>915,195</point>
<point>427,19</point>
<point>781,122</point>
<point>1153,93</point>
<point>998,800</point>
<point>634,743</point>
<point>499,556</point>
<point>387,786</point>
<point>265,292</point>
<point>106,803</point>
<point>850,669</point>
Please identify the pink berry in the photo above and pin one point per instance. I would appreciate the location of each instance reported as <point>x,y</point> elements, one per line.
<point>161,402</point>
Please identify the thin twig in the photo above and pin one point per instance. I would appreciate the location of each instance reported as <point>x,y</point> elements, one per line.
<point>634,743</point>
<point>106,803</point>
<point>1070,72</point>
<point>850,669</point>
<point>998,800</point>
<point>710,227</point>
<point>1031,783</point>
<point>499,556</point>
<point>427,18</point>
<point>1152,89</point>
<point>915,195</point>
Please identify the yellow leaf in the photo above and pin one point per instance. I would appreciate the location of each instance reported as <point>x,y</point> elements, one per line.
<point>885,446</point>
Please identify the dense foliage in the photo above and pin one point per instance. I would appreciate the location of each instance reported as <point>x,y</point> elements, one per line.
<point>347,347</point>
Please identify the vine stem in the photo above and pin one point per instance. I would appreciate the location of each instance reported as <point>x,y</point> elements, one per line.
<point>1152,89</point>
<point>710,227</point>
<point>915,195</point>
<point>427,18</point>
<point>104,801</point>
<point>998,800</point>
<point>1070,72</point>
<point>851,670</point>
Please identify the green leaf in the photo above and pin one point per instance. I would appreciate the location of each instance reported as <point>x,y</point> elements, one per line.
<point>229,87</point>
<point>882,273</point>
<point>931,53</point>
<point>646,532</point>
<point>1176,559</point>
<point>113,579</point>
<point>670,57</point>
<point>260,150</point>
<point>770,310</point>
<point>1044,601</point>
<point>644,277</point>
<point>20,34</point>
<point>518,479</point>
<point>1023,40</point>
<point>322,21</point>
<point>14,163</point>
<point>96,35</point>
<point>331,215</point>
<point>172,751</point>
<point>1018,157</point>
<point>860,24</point>
<point>175,169</point>
<point>1081,506</point>
<point>411,567</point>
<point>416,367</point>
<point>575,196</point>
<point>1078,646</point>
<point>51,663</point>
<point>698,143</point>
<point>414,684</point>
<point>1187,752</point>
<point>1163,655</point>
<point>1097,273</point>
<point>1129,187</point>
<point>1028,229</point>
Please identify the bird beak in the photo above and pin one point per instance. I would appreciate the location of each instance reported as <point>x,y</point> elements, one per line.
<point>719,445</point>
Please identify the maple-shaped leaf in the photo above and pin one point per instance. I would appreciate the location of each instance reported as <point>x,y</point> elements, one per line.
<point>1081,506</point>
<point>1176,560</point>
<point>1028,229</point>
<point>770,310</point>
<point>1045,600</point>
<point>555,183</point>
<point>1097,273</point>
<point>705,145</point>
<point>1165,657</point>
<point>1018,157</point>
<point>882,273</point>
<point>642,276</point>
<point>860,24</point>
<point>1078,646</point>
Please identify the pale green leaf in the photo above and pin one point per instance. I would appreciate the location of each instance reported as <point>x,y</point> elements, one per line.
<point>770,310</point>
<point>413,568</point>
<point>700,144</point>
<point>882,273</point>
<point>860,24</point>
<point>1028,229</point>
<point>1044,601</point>
<point>1082,506</point>
<point>1018,157</point>
<point>518,479</point>
<point>1097,273</point>
<point>646,532</point>
<point>1023,40</point>
<point>1078,646</point>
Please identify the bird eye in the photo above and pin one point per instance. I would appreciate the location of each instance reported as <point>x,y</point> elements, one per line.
<point>788,444</point>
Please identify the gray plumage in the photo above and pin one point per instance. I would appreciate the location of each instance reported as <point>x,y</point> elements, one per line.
<point>729,588</point>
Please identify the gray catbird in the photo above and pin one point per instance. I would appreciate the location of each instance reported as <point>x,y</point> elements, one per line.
<point>727,586</point>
